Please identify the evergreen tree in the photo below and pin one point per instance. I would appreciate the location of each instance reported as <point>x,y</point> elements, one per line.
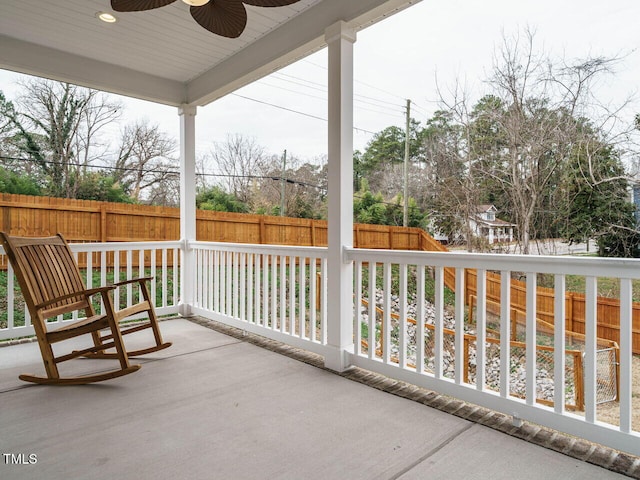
<point>218,200</point>
<point>596,203</point>
<point>101,187</point>
<point>388,147</point>
<point>11,182</point>
<point>368,208</point>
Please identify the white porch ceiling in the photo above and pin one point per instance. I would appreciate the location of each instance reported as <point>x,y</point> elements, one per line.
<point>163,55</point>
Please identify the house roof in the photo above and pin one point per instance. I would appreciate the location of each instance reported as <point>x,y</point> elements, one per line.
<point>480,209</point>
<point>163,55</point>
<point>486,208</point>
<point>493,223</point>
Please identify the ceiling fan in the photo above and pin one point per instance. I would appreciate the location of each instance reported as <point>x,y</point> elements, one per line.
<point>227,18</point>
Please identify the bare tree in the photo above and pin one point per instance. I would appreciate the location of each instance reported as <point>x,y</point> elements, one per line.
<point>452,165</point>
<point>517,140</point>
<point>304,191</point>
<point>237,161</point>
<point>549,115</point>
<point>58,127</point>
<point>145,161</point>
<point>165,193</point>
<point>8,132</point>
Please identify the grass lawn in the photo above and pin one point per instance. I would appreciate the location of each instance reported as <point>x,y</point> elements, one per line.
<point>607,287</point>
<point>18,308</point>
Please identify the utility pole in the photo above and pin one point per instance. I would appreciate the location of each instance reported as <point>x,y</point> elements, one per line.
<point>282,183</point>
<point>405,218</point>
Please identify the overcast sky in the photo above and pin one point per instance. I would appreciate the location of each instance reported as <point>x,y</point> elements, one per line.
<point>399,59</point>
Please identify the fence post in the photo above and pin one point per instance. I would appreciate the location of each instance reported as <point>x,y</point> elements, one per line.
<point>578,380</point>
<point>465,367</point>
<point>262,233</point>
<point>569,315</point>
<point>468,292</point>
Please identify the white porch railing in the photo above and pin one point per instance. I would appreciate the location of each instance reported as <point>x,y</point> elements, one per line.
<point>432,372</point>
<point>103,263</point>
<point>277,292</point>
<point>280,293</point>
<point>270,291</point>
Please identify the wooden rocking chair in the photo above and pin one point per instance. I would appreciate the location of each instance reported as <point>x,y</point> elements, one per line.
<point>51,284</point>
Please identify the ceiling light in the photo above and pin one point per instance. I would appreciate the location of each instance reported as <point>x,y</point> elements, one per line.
<point>106,17</point>
<point>196,3</point>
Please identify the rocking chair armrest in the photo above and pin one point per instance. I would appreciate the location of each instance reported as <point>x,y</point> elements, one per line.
<point>88,293</point>
<point>132,280</point>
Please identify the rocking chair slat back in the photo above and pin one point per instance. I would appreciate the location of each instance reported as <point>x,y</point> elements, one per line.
<point>47,270</point>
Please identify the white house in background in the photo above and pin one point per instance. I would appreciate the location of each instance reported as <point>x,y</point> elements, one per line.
<point>485,224</point>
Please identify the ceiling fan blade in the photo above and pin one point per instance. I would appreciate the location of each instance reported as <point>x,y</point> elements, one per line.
<point>227,18</point>
<point>138,5</point>
<point>269,3</point>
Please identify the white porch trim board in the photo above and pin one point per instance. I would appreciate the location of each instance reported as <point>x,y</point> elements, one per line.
<point>340,39</point>
<point>187,115</point>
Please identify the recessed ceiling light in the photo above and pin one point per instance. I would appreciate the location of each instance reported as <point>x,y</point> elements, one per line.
<point>196,3</point>
<point>106,17</point>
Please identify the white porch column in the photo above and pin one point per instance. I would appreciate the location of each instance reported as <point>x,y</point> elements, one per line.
<point>340,39</point>
<point>187,204</point>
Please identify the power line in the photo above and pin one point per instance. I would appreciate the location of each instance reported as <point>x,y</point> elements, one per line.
<point>381,112</point>
<point>358,81</point>
<point>299,81</point>
<point>177,172</point>
<point>323,87</point>
<point>170,172</point>
<point>101,167</point>
<point>358,98</point>
<point>369,100</point>
<point>295,111</point>
<point>280,107</point>
<point>386,104</point>
<point>293,91</point>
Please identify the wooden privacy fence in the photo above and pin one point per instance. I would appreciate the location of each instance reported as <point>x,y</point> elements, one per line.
<point>608,314</point>
<point>91,221</point>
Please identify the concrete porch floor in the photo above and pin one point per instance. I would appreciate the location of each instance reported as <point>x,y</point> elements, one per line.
<point>217,406</point>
